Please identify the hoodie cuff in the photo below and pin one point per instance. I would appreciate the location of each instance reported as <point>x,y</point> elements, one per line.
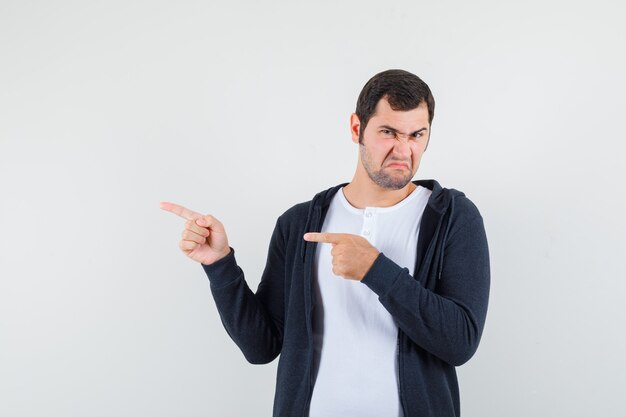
<point>382,275</point>
<point>223,271</point>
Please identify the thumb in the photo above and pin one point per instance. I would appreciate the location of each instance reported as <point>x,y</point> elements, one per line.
<point>201,222</point>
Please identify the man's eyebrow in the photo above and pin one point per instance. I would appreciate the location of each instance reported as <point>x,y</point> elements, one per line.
<point>393,129</point>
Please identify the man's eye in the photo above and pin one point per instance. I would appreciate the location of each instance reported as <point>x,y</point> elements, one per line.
<point>387,133</point>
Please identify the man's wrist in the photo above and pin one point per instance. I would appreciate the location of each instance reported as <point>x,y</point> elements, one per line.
<point>220,258</point>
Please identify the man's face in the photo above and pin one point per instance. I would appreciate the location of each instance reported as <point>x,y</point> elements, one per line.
<point>392,144</point>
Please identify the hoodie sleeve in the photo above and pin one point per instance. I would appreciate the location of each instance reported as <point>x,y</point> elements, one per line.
<point>447,321</point>
<point>253,320</point>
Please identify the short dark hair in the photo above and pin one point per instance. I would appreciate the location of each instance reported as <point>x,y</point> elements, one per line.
<point>403,90</point>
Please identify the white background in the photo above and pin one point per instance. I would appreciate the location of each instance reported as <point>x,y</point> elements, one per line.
<point>241,110</point>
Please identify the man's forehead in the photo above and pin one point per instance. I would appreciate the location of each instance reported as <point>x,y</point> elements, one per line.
<point>415,118</point>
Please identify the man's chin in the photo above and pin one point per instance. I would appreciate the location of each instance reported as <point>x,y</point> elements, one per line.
<point>389,183</point>
<point>397,186</point>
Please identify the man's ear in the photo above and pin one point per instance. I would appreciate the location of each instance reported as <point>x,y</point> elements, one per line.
<point>355,127</point>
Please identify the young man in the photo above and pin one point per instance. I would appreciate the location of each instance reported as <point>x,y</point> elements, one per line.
<point>374,290</point>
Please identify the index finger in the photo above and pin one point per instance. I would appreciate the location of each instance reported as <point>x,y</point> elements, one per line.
<point>325,237</point>
<point>181,211</point>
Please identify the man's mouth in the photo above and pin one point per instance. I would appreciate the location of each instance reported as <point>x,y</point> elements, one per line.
<point>398,165</point>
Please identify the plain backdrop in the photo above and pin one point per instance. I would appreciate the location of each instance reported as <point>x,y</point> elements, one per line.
<point>241,110</point>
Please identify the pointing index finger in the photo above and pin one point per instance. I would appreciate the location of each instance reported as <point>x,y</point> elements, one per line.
<point>181,211</point>
<point>324,237</point>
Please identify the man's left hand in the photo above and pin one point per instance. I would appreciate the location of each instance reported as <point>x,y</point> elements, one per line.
<point>352,255</point>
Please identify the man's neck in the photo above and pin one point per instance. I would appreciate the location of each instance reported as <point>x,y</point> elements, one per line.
<point>361,194</point>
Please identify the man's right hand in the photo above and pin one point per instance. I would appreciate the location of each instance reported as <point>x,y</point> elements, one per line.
<point>204,239</point>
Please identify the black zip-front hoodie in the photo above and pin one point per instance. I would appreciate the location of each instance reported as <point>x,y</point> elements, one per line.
<point>440,311</point>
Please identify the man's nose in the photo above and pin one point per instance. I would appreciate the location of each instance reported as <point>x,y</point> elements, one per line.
<point>402,147</point>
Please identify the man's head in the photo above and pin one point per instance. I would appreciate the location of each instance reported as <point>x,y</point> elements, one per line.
<point>403,91</point>
<point>392,127</point>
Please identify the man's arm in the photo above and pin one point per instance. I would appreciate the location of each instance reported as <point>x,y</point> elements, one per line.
<point>253,321</point>
<point>447,321</point>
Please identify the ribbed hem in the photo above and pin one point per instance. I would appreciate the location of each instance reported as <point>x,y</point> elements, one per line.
<point>382,275</point>
<point>224,271</point>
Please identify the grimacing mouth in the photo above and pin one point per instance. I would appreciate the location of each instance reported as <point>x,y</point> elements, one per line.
<point>396,162</point>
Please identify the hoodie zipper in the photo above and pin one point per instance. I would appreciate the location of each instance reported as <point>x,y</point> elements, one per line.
<point>314,226</point>
<point>400,376</point>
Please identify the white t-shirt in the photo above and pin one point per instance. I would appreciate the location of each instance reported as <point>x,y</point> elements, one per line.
<point>355,337</point>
